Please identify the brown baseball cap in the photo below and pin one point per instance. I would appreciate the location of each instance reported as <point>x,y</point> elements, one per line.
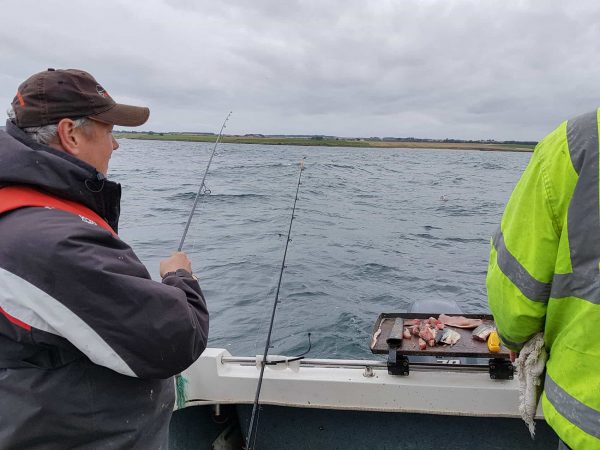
<point>47,97</point>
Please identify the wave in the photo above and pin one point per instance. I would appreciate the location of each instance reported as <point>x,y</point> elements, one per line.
<point>467,240</point>
<point>371,269</point>
<point>338,166</point>
<point>192,196</point>
<point>258,166</point>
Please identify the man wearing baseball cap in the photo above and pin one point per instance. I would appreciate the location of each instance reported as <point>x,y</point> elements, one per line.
<point>89,343</point>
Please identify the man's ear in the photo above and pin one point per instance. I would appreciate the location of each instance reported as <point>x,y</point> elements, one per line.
<point>67,137</point>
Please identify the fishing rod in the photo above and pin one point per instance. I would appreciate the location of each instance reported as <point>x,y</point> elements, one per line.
<point>254,418</point>
<point>180,381</point>
<point>202,185</point>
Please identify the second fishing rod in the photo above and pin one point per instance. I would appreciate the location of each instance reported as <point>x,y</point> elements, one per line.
<point>253,427</point>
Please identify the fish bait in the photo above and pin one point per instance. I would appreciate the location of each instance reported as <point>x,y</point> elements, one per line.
<point>482,332</point>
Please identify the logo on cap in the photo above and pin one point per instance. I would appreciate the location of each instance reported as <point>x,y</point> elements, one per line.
<point>101,91</point>
<point>20,98</point>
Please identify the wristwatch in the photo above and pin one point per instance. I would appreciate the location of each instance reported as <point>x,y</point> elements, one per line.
<point>180,273</point>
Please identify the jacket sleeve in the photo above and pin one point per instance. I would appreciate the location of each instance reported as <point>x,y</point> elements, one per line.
<point>524,249</point>
<point>92,290</point>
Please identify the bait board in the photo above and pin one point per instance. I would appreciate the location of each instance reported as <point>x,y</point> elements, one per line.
<point>465,347</point>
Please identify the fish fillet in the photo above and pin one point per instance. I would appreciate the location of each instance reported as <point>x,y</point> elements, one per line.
<point>375,336</point>
<point>459,321</point>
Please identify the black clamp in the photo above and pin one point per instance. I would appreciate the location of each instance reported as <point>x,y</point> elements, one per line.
<point>501,369</point>
<point>397,363</point>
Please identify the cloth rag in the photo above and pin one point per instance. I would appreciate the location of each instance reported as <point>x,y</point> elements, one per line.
<point>530,367</point>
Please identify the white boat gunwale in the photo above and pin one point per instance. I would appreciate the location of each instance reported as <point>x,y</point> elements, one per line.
<point>220,378</point>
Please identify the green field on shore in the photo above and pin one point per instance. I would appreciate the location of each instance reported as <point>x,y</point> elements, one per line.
<point>328,142</point>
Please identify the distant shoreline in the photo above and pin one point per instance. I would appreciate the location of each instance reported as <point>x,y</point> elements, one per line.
<point>329,142</point>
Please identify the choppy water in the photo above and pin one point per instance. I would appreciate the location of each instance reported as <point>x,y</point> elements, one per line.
<point>376,229</point>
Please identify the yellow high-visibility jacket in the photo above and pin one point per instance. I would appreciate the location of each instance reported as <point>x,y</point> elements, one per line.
<point>544,274</point>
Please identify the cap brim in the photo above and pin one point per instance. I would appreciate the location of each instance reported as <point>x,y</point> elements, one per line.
<point>124,115</point>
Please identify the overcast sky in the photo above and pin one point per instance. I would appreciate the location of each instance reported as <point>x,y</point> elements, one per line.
<point>429,68</point>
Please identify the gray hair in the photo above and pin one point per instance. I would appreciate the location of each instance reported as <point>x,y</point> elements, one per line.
<point>46,134</point>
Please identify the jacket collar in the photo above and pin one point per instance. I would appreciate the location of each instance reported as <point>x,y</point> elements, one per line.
<point>27,162</point>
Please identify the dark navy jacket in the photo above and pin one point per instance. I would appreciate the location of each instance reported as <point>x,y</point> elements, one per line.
<point>88,342</point>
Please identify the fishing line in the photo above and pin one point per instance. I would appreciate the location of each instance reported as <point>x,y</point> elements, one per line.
<point>293,358</point>
<point>251,438</point>
<point>202,190</point>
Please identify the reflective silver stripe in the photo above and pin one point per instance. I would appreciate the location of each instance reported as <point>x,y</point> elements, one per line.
<point>574,285</point>
<point>31,305</point>
<point>579,414</point>
<point>580,138</point>
<point>531,288</point>
<point>511,344</point>
<point>583,215</point>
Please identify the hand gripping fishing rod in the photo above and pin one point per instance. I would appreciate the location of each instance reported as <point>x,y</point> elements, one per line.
<point>180,381</point>
<point>252,429</point>
<point>202,186</point>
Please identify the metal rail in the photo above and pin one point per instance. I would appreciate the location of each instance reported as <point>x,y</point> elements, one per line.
<point>351,363</point>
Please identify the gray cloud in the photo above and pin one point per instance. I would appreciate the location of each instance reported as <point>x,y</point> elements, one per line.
<point>428,68</point>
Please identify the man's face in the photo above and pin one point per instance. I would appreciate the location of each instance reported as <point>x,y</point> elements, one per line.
<point>97,145</point>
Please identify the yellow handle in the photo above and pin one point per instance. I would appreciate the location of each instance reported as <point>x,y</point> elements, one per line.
<point>493,342</point>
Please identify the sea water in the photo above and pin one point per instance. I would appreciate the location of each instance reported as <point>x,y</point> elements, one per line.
<point>374,231</point>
